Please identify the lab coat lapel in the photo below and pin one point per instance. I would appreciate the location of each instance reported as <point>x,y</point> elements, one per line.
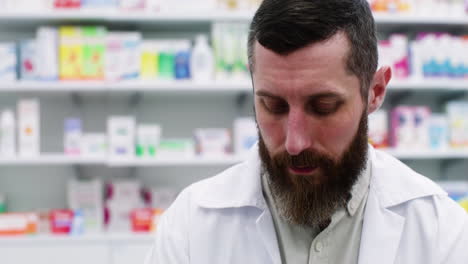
<point>381,233</point>
<point>267,233</point>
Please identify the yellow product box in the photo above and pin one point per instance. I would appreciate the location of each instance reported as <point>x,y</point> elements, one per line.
<point>70,53</point>
<point>149,63</point>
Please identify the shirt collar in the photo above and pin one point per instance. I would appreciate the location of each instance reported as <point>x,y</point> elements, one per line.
<point>359,189</point>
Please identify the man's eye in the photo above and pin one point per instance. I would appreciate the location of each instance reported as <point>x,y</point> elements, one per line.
<point>324,108</point>
<point>275,106</point>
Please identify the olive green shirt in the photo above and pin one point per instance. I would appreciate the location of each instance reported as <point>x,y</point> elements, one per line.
<point>337,243</point>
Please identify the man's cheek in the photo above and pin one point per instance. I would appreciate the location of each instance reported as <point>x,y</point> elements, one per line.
<point>337,137</point>
<point>272,134</point>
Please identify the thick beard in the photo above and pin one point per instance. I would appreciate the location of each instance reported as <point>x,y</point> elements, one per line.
<point>298,199</point>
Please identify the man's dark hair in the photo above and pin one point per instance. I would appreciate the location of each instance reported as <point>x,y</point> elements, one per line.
<point>284,26</point>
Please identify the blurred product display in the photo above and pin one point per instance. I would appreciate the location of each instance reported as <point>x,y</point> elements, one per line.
<point>129,5</point>
<point>104,120</point>
<point>83,53</point>
<point>417,128</point>
<point>421,7</point>
<point>429,56</point>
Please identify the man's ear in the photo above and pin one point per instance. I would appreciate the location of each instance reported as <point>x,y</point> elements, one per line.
<point>378,88</point>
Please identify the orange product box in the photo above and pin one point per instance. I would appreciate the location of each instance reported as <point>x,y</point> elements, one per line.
<point>18,224</point>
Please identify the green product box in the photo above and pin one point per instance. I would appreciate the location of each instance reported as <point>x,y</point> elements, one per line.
<point>93,52</point>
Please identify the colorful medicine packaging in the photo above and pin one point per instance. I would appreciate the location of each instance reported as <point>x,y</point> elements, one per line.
<point>61,221</point>
<point>121,133</point>
<point>245,135</point>
<point>213,142</point>
<point>410,127</point>
<point>86,196</point>
<point>147,141</point>
<point>457,113</point>
<point>28,127</point>
<point>72,136</point>
<point>378,129</point>
<point>8,64</point>
<point>27,60</point>
<point>71,52</point>
<point>94,145</point>
<point>18,224</point>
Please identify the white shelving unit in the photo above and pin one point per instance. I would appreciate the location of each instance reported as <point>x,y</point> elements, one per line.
<point>434,84</point>
<point>200,17</point>
<point>51,159</point>
<point>428,154</point>
<point>221,87</point>
<point>106,238</point>
<point>188,87</point>
<point>126,17</point>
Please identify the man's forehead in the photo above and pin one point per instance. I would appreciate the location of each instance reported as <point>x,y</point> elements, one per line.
<point>338,44</point>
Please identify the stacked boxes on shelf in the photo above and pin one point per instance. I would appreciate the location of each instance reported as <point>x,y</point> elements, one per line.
<point>421,7</point>
<point>94,207</point>
<point>416,128</point>
<point>94,53</point>
<point>152,6</point>
<point>430,55</point>
<point>124,139</point>
<point>20,136</point>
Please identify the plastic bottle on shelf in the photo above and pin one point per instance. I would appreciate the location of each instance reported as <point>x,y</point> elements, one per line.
<point>182,60</point>
<point>202,61</point>
<point>7,126</point>
<point>2,203</point>
<point>166,60</point>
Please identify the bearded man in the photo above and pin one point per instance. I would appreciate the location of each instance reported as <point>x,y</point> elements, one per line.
<point>312,190</point>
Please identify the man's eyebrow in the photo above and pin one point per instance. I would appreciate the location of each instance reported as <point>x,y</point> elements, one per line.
<point>314,97</point>
<point>325,95</point>
<point>267,94</point>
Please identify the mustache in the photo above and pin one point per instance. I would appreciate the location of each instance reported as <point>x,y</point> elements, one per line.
<point>307,158</point>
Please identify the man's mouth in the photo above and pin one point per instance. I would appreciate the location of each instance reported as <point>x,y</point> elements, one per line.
<point>302,169</point>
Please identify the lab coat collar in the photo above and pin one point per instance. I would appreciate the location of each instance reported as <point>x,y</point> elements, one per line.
<point>240,186</point>
<point>394,183</point>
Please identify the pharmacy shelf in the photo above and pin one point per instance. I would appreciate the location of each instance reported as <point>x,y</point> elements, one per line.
<point>428,154</point>
<point>161,162</point>
<point>113,16</point>
<point>408,19</point>
<point>39,17</point>
<point>185,87</point>
<point>434,84</point>
<point>101,238</point>
<point>60,159</point>
<point>50,159</point>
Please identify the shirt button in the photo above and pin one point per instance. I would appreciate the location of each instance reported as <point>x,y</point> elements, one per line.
<point>318,246</point>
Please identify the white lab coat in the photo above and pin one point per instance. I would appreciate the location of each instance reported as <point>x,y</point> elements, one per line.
<point>224,219</point>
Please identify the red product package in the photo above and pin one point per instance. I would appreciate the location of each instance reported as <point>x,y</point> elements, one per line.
<point>61,221</point>
<point>67,3</point>
<point>142,220</point>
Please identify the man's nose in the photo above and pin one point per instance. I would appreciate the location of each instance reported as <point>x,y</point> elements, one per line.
<point>298,136</point>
